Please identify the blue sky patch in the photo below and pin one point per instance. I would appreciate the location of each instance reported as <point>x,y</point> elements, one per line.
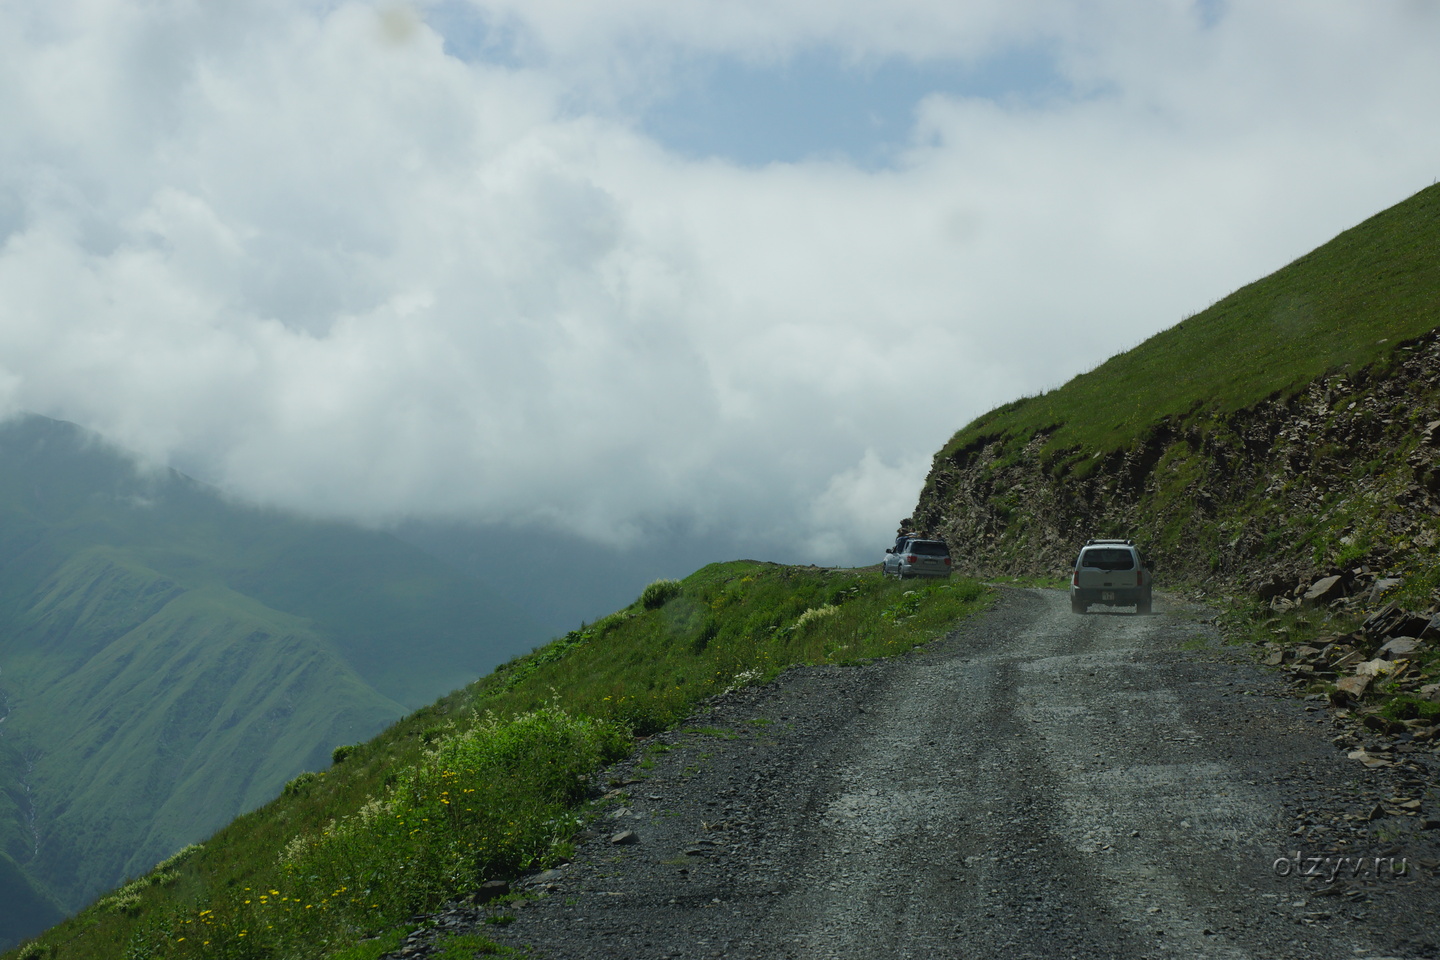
<point>1210,11</point>
<point>470,36</point>
<point>818,105</point>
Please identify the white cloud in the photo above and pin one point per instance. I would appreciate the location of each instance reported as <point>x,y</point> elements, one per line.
<point>872,495</point>
<point>305,252</point>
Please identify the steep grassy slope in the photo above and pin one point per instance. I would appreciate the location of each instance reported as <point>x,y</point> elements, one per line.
<point>487,780</point>
<point>1341,307</point>
<point>1281,434</point>
<point>170,659</point>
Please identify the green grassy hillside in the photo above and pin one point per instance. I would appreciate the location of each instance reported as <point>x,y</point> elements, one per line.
<point>490,780</point>
<point>169,659</point>
<point>1342,307</point>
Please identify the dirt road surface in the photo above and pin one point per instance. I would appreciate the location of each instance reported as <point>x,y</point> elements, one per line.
<point>1039,784</point>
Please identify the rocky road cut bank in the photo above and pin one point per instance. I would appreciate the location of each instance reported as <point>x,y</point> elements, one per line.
<point>1039,784</point>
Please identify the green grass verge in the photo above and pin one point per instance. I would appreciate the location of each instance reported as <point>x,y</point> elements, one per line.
<point>468,946</point>
<point>491,780</point>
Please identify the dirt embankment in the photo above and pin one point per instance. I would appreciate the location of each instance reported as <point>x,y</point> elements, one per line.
<point>1037,785</point>
<point>1342,476</point>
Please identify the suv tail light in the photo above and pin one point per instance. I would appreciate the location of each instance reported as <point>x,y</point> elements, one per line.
<point>1075,578</point>
<point>947,561</point>
<point>911,558</point>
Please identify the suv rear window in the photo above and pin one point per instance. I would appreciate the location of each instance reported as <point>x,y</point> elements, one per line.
<point>1108,558</point>
<point>928,548</point>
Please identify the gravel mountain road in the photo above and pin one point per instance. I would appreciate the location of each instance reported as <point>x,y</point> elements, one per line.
<point>1038,784</point>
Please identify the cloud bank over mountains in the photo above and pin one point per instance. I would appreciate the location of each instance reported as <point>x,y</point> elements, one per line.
<point>439,260</point>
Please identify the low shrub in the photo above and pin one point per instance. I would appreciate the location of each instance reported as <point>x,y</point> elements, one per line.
<point>659,593</point>
<point>813,614</point>
<point>1407,706</point>
<point>299,785</point>
<point>178,857</point>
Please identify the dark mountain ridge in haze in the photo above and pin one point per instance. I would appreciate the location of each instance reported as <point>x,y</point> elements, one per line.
<point>170,658</point>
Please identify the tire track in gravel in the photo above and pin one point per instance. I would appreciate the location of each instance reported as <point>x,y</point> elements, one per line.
<point>1039,784</point>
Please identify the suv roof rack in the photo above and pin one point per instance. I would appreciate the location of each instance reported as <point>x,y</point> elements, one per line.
<point>1128,543</point>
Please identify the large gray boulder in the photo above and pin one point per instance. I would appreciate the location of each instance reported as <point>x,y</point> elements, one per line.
<point>1323,591</point>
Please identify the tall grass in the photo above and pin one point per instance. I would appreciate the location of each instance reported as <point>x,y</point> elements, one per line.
<point>492,780</point>
<point>487,801</point>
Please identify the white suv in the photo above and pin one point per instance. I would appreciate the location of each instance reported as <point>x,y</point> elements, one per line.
<point>1110,572</point>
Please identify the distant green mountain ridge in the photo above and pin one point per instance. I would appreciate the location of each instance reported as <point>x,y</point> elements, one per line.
<point>170,658</point>
<point>1284,433</point>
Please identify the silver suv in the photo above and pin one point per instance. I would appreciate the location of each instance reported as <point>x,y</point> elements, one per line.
<point>913,557</point>
<point>1110,572</point>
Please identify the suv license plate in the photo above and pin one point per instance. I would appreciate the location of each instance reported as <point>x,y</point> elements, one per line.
<point>1107,595</point>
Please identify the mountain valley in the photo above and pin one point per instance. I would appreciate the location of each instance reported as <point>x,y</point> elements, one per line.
<point>169,658</point>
